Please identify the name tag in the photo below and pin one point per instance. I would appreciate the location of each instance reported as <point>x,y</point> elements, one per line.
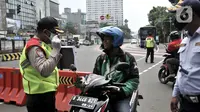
<point>197,44</point>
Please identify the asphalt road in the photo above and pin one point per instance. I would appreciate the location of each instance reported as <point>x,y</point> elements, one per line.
<point>156,95</point>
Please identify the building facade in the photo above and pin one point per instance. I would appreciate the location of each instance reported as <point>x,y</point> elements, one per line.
<point>3,25</point>
<point>110,11</point>
<point>54,8</point>
<point>42,9</point>
<point>23,11</point>
<point>77,18</point>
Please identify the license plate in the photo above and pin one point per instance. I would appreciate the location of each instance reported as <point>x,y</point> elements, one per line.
<point>83,102</point>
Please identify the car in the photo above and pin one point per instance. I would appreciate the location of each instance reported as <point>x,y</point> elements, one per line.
<point>81,42</point>
<point>63,42</point>
<point>86,42</point>
<point>133,41</point>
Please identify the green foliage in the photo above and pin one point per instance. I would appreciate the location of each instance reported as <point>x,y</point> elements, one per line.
<point>69,27</point>
<point>160,18</point>
<point>126,30</point>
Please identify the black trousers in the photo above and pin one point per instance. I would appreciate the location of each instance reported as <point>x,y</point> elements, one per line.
<point>186,106</point>
<point>150,51</point>
<point>170,63</point>
<point>41,102</point>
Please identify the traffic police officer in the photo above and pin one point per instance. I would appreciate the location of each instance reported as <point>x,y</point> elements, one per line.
<point>38,66</point>
<point>187,86</point>
<point>150,45</point>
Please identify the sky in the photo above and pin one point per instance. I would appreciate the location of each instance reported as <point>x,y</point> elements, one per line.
<point>134,10</point>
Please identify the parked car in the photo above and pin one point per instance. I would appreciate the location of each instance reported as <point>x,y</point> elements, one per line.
<point>133,41</point>
<point>86,42</point>
<point>63,42</point>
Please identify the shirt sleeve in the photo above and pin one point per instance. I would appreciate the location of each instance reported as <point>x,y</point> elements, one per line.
<point>45,66</point>
<point>176,91</point>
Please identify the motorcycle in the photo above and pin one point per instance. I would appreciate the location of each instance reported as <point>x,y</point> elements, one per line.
<point>95,92</point>
<point>163,74</point>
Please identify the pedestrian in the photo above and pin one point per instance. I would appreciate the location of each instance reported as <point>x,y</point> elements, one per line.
<point>112,38</point>
<point>150,45</point>
<point>38,66</point>
<point>187,86</point>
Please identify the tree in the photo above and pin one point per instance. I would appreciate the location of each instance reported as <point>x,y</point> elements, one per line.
<point>160,18</point>
<point>70,28</point>
<point>126,30</point>
<point>103,25</point>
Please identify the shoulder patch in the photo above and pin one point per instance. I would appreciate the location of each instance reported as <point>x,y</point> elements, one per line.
<point>39,53</point>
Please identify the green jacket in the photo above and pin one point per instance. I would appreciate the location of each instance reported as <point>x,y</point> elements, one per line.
<point>104,64</point>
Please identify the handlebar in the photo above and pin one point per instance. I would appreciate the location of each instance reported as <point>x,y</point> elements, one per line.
<point>119,84</point>
<point>111,88</point>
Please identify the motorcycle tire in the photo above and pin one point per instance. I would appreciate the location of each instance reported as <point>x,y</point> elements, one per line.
<point>160,75</point>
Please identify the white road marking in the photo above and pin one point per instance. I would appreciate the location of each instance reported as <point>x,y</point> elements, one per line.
<point>150,67</point>
<point>155,56</point>
<point>140,59</point>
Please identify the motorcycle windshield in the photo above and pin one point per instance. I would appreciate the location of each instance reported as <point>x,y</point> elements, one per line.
<point>94,80</point>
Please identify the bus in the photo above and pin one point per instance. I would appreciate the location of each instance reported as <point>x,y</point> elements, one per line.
<point>143,33</point>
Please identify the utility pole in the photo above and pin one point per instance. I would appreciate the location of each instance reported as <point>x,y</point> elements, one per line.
<point>170,21</point>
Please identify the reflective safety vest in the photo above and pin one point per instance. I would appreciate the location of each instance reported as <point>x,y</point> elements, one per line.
<point>33,82</point>
<point>149,42</point>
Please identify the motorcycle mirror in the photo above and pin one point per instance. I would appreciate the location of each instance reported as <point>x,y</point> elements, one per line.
<point>72,67</point>
<point>122,66</point>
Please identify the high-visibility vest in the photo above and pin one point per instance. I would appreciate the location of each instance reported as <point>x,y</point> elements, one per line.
<point>149,42</point>
<point>33,82</point>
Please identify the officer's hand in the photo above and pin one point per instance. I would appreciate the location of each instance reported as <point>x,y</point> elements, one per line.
<point>56,43</point>
<point>174,104</point>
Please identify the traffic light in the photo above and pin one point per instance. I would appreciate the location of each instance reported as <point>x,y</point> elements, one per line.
<point>18,9</point>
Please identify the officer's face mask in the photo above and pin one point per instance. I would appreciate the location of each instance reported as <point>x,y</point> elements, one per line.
<point>50,35</point>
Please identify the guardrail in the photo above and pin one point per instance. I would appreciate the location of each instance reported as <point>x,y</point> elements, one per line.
<point>11,46</point>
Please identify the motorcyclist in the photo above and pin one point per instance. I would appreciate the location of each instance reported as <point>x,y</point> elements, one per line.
<point>112,38</point>
<point>172,49</point>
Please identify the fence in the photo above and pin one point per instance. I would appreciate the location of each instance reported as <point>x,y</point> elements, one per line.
<point>11,46</point>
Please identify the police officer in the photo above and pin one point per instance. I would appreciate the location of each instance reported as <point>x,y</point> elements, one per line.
<point>38,66</point>
<point>187,86</point>
<point>150,45</point>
